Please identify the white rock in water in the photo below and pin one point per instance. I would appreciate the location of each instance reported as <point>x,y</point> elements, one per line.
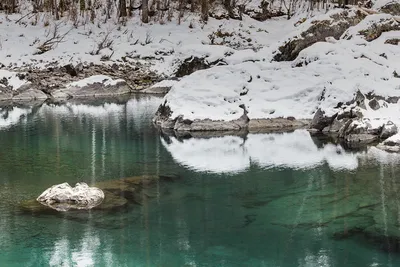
<point>63,197</point>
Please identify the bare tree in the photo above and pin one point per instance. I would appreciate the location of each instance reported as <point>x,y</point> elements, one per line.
<point>204,10</point>
<point>145,11</point>
<point>122,8</point>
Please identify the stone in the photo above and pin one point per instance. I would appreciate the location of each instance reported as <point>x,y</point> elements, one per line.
<point>192,64</point>
<point>30,95</point>
<point>388,129</point>
<point>63,197</point>
<point>70,70</point>
<point>360,99</point>
<point>320,120</point>
<point>360,139</point>
<point>374,104</point>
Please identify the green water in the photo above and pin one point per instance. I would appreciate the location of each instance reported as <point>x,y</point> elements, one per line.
<point>263,200</point>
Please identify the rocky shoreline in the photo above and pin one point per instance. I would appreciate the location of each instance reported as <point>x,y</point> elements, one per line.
<point>68,81</point>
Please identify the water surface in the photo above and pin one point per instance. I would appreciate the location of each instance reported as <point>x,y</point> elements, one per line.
<point>261,200</point>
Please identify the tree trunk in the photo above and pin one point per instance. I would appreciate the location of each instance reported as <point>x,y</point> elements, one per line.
<point>145,11</point>
<point>122,8</point>
<point>204,10</point>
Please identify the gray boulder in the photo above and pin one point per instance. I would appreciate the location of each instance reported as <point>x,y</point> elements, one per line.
<point>63,197</point>
<point>388,129</point>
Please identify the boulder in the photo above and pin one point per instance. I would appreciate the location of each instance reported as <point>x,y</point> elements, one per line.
<point>320,120</point>
<point>63,197</point>
<point>360,139</point>
<point>389,129</point>
<point>374,104</point>
<point>192,64</point>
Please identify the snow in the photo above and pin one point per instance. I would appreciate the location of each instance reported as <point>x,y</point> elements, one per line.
<point>322,76</point>
<point>12,79</point>
<point>106,80</point>
<point>231,154</point>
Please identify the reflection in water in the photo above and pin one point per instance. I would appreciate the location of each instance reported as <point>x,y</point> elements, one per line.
<point>235,154</point>
<point>276,200</point>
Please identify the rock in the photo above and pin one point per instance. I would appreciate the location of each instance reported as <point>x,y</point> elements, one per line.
<point>192,64</point>
<point>320,120</point>
<point>374,104</point>
<point>393,41</point>
<point>388,129</point>
<point>360,99</point>
<point>392,99</point>
<point>210,125</point>
<point>318,31</point>
<point>70,70</point>
<point>276,124</point>
<point>30,95</point>
<point>391,8</point>
<point>360,139</point>
<point>63,197</point>
<point>335,126</point>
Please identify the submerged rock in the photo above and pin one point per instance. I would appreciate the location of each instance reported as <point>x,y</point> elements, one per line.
<point>63,197</point>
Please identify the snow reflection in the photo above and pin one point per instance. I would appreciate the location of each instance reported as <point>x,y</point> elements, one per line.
<point>234,154</point>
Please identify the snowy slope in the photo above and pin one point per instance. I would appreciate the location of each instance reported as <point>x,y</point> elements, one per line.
<point>322,76</point>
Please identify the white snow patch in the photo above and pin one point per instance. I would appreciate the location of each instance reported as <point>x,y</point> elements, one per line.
<point>12,79</point>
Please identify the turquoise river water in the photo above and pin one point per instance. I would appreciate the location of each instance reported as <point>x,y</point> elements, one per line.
<point>279,200</point>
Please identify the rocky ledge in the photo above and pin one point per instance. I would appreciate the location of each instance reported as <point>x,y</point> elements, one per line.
<point>164,121</point>
<point>78,81</point>
<point>361,121</point>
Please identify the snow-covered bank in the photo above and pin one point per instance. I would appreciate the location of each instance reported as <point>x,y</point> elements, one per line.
<point>329,75</point>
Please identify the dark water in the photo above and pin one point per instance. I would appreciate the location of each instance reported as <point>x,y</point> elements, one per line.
<point>263,200</point>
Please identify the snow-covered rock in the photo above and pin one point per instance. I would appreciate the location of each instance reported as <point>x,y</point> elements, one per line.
<point>333,25</point>
<point>63,197</point>
<point>373,26</point>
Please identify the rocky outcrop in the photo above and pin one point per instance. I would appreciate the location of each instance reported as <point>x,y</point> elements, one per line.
<point>349,124</point>
<point>318,31</point>
<point>391,8</point>
<point>373,26</point>
<point>163,120</point>
<point>63,197</point>
<point>192,64</point>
